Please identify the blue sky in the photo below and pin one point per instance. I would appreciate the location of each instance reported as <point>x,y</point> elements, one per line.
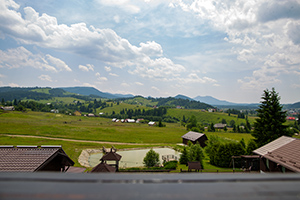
<point>229,49</point>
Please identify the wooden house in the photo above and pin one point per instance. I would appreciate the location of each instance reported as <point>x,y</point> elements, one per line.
<point>280,155</point>
<point>194,137</point>
<point>33,159</point>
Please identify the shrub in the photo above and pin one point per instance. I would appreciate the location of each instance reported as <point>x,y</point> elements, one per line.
<point>171,165</point>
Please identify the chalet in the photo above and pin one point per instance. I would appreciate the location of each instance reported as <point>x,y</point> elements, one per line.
<point>194,137</point>
<point>280,155</point>
<point>220,126</point>
<point>8,108</point>
<point>151,123</point>
<point>33,158</point>
<point>130,120</point>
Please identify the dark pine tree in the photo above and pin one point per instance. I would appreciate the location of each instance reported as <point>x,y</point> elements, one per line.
<point>269,124</point>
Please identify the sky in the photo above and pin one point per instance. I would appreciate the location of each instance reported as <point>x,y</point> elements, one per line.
<point>229,49</point>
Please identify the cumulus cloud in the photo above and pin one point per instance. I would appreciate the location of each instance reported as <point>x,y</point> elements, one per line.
<point>44,77</point>
<point>265,33</point>
<point>101,44</point>
<point>20,57</point>
<point>86,68</point>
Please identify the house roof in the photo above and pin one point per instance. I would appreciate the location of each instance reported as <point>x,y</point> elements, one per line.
<point>193,136</point>
<point>220,125</point>
<point>103,167</point>
<point>285,151</point>
<point>111,156</point>
<point>30,158</point>
<point>283,140</point>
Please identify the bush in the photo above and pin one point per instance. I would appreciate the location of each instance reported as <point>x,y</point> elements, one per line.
<point>170,165</point>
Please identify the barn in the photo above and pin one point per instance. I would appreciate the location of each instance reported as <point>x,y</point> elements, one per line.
<point>194,137</point>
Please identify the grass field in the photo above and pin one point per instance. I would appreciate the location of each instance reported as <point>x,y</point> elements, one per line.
<point>94,129</point>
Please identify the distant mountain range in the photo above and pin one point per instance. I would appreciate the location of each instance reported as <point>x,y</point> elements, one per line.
<point>209,100</point>
<point>10,93</point>
<point>93,91</point>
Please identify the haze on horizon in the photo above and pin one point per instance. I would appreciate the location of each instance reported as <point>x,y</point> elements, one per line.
<point>231,50</point>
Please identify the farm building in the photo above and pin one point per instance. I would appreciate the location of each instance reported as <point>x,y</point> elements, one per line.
<point>280,155</point>
<point>219,126</point>
<point>151,123</point>
<point>194,137</point>
<point>33,159</point>
<point>8,108</point>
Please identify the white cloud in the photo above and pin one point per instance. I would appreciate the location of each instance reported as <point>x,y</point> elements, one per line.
<point>2,76</point>
<point>139,83</point>
<point>20,57</point>
<point>264,33</point>
<point>151,49</point>
<point>126,5</point>
<point>117,19</point>
<point>13,85</point>
<point>112,74</point>
<point>108,69</point>
<point>125,85</point>
<point>155,88</point>
<point>102,79</point>
<point>97,74</point>
<point>86,68</point>
<point>44,77</point>
<point>101,44</point>
<point>58,63</point>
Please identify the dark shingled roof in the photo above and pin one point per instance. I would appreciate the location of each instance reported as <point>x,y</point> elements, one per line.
<point>193,136</point>
<point>103,167</point>
<point>111,156</point>
<point>30,158</point>
<point>284,151</point>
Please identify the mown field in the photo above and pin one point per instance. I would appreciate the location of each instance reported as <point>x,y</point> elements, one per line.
<point>92,129</point>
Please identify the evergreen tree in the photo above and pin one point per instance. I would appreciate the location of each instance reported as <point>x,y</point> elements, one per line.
<point>269,124</point>
<point>184,156</point>
<point>151,159</point>
<point>250,147</point>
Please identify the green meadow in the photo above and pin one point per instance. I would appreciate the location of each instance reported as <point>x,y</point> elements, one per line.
<point>122,135</point>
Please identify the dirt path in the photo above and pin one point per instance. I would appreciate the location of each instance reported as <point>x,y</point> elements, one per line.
<point>72,140</point>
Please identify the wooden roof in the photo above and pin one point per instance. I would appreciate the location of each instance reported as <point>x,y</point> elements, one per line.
<point>284,151</point>
<point>111,156</point>
<point>193,136</point>
<point>103,167</point>
<point>31,158</point>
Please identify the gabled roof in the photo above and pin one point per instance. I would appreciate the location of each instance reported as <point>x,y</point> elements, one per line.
<point>111,156</point>
<point>193,136</point>
<point>285,151</point>
<point>30,158</point>
<point>103,167</point>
